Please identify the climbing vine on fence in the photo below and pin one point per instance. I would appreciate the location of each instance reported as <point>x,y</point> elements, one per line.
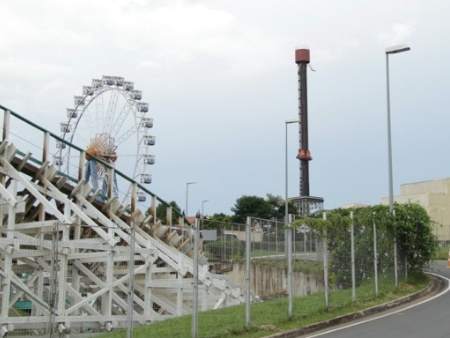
<point>410,222</point>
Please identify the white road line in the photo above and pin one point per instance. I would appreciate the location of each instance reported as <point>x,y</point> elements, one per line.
<point>389,313</point>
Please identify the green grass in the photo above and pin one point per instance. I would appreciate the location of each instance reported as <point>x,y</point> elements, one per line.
<point>441,253</point>
<point>299,265</point>
<point>271,316</point>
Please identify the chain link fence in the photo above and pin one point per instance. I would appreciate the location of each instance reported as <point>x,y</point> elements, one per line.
<point>346,259</point>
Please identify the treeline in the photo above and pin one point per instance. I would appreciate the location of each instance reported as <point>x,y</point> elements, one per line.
<point>268,207</point>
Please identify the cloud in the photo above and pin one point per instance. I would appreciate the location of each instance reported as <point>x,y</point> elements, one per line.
<point>399,33</point>
<point>220,76</point>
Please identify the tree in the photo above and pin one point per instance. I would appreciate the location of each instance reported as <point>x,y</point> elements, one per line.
<point>254,206</point>
<point>217,221</point>
<point>278,206</point>
<point>161,211</point>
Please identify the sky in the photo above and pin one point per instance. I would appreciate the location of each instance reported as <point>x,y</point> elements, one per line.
<point>220,79</point>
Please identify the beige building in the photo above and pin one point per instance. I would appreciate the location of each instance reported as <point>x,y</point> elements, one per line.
<point>434,196</point>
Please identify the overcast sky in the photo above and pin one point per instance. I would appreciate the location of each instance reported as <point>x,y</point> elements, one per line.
<point>220,78</point>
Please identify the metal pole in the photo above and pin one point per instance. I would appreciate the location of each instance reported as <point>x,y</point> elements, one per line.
<point>395,251</point>
<point>293,240</point>
<point>276,236</point>
<point>304,242</point>
<point>389,139</point>
<point>288,234</point>
<point>375,258</point>
<point>310,241</point>
<point>247,272</point>
<point>289,258</point>
<point>195,281</point>
<point>391,179</point>
<point>286,178</point>
<point>352,243</point>
<point>325,263</point>
<point>406,267</point>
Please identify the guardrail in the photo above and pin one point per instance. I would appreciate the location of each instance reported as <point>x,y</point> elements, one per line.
<point>8,114</point>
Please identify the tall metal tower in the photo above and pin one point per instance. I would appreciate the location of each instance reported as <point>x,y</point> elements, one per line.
<point>304,155</point>
<point>305,203</point>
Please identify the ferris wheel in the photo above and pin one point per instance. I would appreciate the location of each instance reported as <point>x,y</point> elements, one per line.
<point>110,108</point>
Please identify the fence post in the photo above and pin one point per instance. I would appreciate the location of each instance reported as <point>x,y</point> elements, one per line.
<point>406,267</point>
<point>375,258</point>
<point>289,258</point>
<point>276,235</point>
<point>195,280</point>
<point>325,262</point>
<point>292,236</point>
<point>352,244</point>
<point>247,271</point>
<point>395,251</point>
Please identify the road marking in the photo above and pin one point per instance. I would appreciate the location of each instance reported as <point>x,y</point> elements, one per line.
<point>389,313</point>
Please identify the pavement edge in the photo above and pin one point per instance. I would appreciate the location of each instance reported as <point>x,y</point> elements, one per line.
<point>436,285</point>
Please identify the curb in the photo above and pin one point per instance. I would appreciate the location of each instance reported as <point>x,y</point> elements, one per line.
<point>436,284</point>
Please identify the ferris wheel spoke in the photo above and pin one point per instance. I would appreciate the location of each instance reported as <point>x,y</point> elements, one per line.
<point>110,111</point>
<point>114,113</point>
<point>102,109</point>
<point>98,110</point>
<point>120,123</point>
<point>118,120</point>
<point>126,135</point>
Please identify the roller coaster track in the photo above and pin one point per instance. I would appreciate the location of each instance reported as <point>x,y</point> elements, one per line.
<point>68,252</point>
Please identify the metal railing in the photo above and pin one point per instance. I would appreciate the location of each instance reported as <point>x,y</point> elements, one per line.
<point>47,135</point>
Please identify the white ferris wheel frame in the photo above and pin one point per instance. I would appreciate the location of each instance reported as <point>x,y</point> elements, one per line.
<point>131,107</point>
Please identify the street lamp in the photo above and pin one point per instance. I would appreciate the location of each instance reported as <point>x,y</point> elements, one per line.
<point>187,197</point>
<point>389,51</point>
<point>203,207</point>
<point>286,220</point>
<point>286,211</point>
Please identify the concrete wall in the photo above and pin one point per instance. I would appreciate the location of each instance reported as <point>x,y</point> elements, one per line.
<point>269,281</point>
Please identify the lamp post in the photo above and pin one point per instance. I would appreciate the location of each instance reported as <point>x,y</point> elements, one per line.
<point>287,221</point>
<point>286,179</point>
<point>203,207</point>
<point>389,51</point>
<point>187,197</point>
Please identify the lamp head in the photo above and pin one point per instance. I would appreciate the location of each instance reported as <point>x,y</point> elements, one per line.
<point>397,49</point>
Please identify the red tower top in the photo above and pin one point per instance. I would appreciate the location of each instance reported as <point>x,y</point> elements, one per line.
<point>302,56</point>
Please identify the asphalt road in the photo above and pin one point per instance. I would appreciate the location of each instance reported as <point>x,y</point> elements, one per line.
<point>429,320</point>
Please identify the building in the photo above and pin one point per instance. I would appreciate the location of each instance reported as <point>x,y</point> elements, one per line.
<point>434,196</point>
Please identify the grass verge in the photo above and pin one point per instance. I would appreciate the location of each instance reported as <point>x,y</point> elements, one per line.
<point>270,317</point>
<point>441,253</point>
